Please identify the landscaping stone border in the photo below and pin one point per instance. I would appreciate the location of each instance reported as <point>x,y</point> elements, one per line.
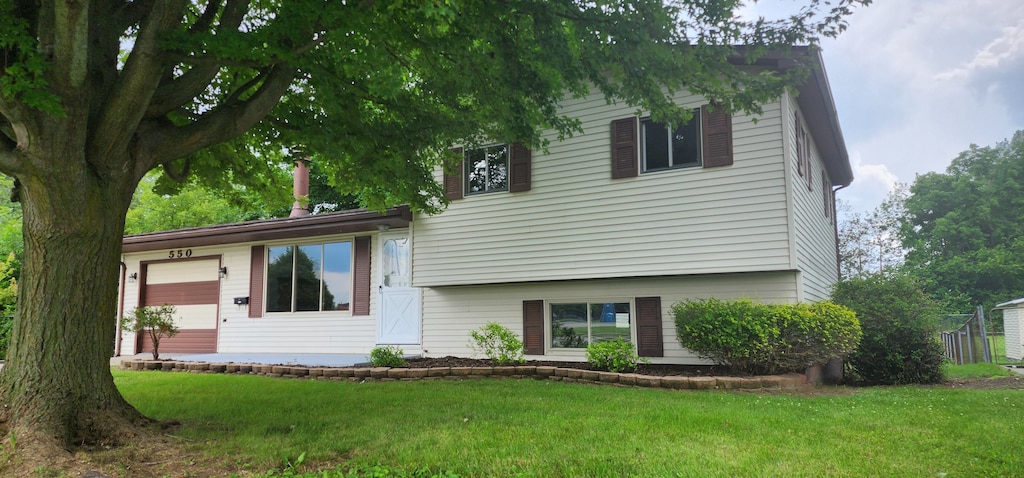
<point>385,374</point>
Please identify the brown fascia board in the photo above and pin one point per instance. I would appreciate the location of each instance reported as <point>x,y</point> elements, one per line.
<point>819,109</point>
<point>344,222</point>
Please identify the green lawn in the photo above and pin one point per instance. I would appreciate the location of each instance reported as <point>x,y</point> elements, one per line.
<point>998,343</point>
<point>544,428</point>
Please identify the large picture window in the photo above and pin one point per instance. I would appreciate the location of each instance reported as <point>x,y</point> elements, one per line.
<point>487,169</point>
<point>312,277</point>
<point>666,146</point>
<point>577,325</point>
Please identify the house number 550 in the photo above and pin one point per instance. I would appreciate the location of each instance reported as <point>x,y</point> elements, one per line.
<point>179,254</point>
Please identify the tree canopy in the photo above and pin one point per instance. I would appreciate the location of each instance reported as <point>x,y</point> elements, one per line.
<point>95,94</point>
<point>964,230</point>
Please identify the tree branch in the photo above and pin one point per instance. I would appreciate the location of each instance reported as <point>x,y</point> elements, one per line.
<point>161,142</point>
<point>206,20</point>
<point>10,159</point>
<point>138,80</point>
<point>134,12</point>
<point>173,93</point>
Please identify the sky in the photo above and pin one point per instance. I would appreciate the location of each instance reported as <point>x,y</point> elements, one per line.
<point>916,82</point>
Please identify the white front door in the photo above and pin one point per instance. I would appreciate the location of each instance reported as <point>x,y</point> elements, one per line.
<point>398,321</point>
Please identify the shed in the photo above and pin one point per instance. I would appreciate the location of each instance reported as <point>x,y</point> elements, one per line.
<point>1013,324</point>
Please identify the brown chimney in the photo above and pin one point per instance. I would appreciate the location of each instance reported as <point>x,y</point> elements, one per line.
<point>300,188</point>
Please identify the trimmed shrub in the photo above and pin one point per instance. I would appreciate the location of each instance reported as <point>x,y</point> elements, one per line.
<point>766,338</point>
<point>901,341</point>
<point>613,355</point>
<point>158,322</point>
<point>387,356</point>
<point>498,343</point>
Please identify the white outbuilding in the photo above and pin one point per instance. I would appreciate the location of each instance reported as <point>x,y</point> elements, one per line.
<point>1013,324</point>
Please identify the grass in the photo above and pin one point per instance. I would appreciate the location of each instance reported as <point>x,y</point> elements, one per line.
<point>976,370</point>
<point>544,428</point>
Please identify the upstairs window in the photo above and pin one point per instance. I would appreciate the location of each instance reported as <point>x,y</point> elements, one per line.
<point>665,146</point>
<point>487,169</point>
<point>312,277</point>
<point>641,145</point>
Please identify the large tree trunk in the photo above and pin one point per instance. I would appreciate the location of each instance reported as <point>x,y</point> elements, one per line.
<point>56,384</point>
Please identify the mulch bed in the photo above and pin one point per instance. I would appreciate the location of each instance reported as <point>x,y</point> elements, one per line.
<point>652,369</point>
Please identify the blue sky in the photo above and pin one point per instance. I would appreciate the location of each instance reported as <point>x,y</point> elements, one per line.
<point>918,81</point>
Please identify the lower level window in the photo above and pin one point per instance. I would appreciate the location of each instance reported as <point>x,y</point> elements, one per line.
<point>311,277</point>
<point>577,325</point>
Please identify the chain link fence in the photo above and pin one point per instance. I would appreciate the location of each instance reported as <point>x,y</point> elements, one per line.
<point>967,342</point>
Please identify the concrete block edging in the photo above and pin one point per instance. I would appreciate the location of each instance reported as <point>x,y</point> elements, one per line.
<point>360,374</point>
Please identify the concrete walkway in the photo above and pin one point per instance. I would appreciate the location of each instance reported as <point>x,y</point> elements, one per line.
<point>308,360</point>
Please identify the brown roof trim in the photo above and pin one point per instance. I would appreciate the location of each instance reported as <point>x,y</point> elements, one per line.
<point>819,109</point>
<point>345,222</point>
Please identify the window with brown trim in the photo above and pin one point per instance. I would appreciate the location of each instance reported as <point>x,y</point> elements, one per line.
<point>498,167</point>
<point>578,324</point>
<point>643,146</point>
<point>309,277</point>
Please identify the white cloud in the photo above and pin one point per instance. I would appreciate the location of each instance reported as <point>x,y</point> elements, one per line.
<point>874,173</point>
<point>1006,48</point>
<point>916,82</point>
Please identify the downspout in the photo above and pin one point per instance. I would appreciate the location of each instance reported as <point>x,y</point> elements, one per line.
<point>120,309</point>
<point>835,228</point>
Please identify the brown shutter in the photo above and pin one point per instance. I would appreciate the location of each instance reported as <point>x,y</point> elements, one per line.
<point>258,254</point>
<point>625,150</point>
<point>533,326</point>
<point>799,144</point>
<point>453,182</point>
<point>519,166</point>
<point>826,193</point>
<point>648,327</point>
<point>361,277</point>
<point>716,128</point>
<point>807,154</point>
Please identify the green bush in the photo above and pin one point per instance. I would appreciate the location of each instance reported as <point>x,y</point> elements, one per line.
<point>613,355</point>
<point>158,322</point>
<point>498,343</point>
<point>387,356</point>
<point>765,338</point>
<point>900,344</point>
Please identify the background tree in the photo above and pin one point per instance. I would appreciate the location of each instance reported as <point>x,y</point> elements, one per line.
<point>964,229</point>
<point>869,243</point>
<point>189,205</point>
<point>219,88</point>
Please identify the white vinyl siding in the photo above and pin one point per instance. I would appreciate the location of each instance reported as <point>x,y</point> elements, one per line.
<point>303,332</point>
<point>449,313</point>
<point>1013,321</point>
<point>577,222</point>
<point>298,332</point>
<point>813,231</point>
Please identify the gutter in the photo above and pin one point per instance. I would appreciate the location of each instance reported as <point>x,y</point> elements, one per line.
<point>120,309</point>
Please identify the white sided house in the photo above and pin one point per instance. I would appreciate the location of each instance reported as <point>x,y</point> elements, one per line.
<point>592,240</point>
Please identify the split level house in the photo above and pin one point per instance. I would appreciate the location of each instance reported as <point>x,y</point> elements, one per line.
<point>592,240</point>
